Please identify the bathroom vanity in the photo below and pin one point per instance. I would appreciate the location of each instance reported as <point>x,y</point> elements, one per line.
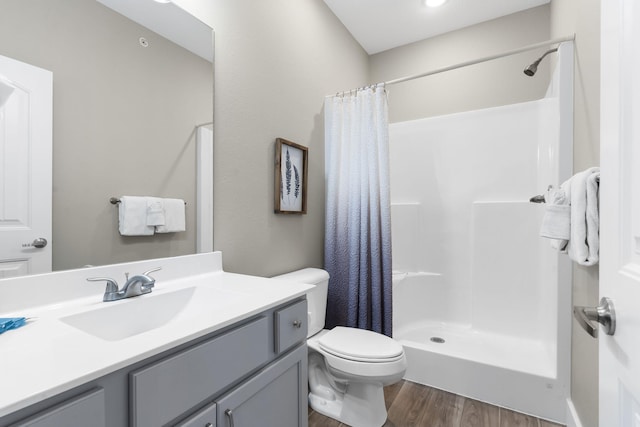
<point>205,349</point>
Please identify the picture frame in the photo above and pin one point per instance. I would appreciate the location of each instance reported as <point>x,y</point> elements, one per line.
<point>290,177</point>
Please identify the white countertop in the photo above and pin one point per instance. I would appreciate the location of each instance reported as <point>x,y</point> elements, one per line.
<point>48,356</point>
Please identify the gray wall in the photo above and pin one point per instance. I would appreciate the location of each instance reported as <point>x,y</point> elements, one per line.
<point>492,83</point>
<point>274,65</point>
<point>275,62</point>
<point>582,17</point>
<point>123,124</point>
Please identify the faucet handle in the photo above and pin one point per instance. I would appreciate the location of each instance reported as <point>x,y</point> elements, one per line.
<point>146,273</point>
<point>112,285</point>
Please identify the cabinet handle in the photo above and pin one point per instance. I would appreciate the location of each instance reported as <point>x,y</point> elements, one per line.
<point>229,414</point>
<point>297,324</point>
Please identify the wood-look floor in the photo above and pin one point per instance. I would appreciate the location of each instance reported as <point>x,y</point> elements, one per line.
<point>414,405</point>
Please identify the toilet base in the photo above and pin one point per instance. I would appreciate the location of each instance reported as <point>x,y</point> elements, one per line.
<point>361,405</point>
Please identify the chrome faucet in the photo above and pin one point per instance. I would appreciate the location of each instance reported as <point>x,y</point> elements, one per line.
<point>137,285</point>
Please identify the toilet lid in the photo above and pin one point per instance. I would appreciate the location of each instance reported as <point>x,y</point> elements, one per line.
<point>360,345</point>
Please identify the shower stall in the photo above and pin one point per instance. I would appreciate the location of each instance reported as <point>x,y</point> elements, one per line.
<point>481,303</point>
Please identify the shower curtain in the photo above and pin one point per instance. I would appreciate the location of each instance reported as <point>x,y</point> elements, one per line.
<point>358,219</point>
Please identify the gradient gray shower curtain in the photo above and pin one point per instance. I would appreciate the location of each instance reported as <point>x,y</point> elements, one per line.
<point>357,246</point>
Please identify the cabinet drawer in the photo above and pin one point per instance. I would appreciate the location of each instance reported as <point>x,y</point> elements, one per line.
<point>165,390</point>
<point>290,325</point>
<point>86,410</point>
<point>206,417</point>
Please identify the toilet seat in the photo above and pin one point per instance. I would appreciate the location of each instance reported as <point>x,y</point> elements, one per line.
<point>360,345</point>
<point>383,370</point>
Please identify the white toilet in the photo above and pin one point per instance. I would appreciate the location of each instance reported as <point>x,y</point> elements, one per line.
<point>348,367</point>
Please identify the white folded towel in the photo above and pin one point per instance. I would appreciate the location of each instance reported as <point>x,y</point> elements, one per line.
<point>556,223</point>
<point>155,211</point>
<point>584,244</point>
<point>132,214</point>
<point>174,216</point>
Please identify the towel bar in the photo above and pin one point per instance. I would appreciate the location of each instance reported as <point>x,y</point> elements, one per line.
<point>540,198</point>
<point>115,201</point>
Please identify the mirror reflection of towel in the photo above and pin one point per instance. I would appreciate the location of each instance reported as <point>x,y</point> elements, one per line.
<point>174,216</point>
<point>132,213</point>
<point>155,211</point>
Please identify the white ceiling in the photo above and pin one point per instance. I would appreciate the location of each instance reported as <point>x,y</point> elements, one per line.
<point>170,21</point>
<point>379,25</point>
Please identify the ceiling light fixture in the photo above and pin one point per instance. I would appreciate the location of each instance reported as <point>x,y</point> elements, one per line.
<point>162,1</point>
<point>434,3</point>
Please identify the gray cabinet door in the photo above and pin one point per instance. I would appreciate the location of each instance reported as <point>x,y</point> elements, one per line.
<point>206,417</point>
<point>166,390</point>
<point>87,410</point>
<point>276,397</point>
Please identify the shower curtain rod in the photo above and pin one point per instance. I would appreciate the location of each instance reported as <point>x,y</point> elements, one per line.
<point>483,59</point>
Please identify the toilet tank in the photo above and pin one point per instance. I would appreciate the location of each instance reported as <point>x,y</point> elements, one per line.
<point>316,297</point>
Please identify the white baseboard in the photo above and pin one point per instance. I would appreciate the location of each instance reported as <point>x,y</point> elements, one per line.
<point>573,420</point>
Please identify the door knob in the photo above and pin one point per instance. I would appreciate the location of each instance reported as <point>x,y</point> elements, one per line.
<point>40,243</point>
<point>603,314</point>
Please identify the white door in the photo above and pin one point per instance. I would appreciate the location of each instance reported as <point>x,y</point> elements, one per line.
<point>25,168</point>
<point>620,212</point>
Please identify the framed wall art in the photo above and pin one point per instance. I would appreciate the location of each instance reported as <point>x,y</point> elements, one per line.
<point>291,177</point>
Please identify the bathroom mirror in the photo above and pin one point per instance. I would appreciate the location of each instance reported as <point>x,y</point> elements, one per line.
<point>127,103</point>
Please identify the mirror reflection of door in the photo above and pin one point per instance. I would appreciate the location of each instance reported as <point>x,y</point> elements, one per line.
<point>25,168</point>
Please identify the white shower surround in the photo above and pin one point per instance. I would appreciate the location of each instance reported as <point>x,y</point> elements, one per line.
<point>470,265</point>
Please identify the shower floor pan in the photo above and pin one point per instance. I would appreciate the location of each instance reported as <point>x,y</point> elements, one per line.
<point>507,371</point>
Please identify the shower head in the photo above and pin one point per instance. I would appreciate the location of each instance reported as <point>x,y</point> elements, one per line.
<point>531,69</point>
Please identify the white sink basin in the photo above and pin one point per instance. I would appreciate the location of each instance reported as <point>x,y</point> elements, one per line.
<point>132,316</point>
